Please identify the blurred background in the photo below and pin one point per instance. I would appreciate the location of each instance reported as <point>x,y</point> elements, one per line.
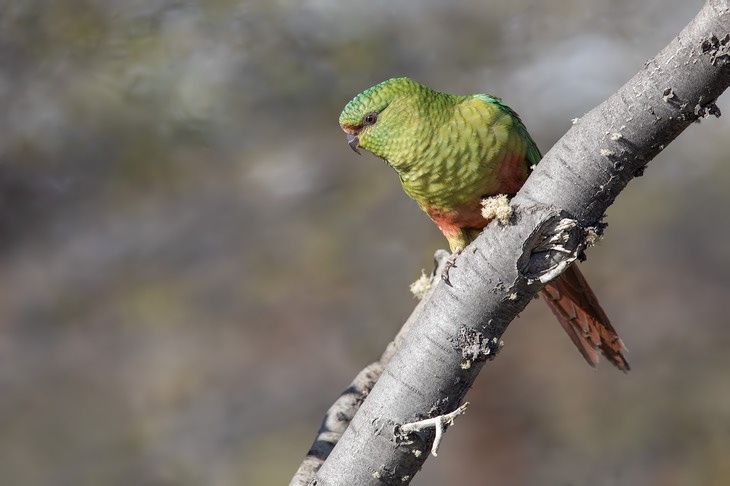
<point>194,264</point>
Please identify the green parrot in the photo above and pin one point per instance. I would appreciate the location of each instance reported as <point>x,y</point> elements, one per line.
<point>450,153</point>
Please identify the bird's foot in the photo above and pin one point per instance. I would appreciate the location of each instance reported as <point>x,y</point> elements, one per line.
<point>450,263</point>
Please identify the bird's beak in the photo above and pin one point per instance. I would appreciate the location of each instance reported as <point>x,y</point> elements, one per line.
<point>353,142</point>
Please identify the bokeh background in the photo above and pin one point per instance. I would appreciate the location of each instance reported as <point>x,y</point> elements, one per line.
<point>193,263</point>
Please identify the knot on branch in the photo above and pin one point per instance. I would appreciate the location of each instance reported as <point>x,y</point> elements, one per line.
<point>706,109</point>
<point>548,251</point>
<point>475,346</point>
<point>701,109</point>
<point>718,49</point>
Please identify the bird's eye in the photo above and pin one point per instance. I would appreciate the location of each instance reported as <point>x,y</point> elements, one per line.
<point>370,119</point>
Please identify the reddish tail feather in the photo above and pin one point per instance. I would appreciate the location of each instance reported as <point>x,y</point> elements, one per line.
<point>576,307</point>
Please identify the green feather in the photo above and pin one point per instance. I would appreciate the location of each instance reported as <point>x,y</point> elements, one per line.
<point>449,151</point>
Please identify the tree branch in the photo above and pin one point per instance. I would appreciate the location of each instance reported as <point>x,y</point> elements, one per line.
<point>338,416</point>
<point>497,276</point>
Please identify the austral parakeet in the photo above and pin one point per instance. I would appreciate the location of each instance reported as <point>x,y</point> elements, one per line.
<point>451,152</point>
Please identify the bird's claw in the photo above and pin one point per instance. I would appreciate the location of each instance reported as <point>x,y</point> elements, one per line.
<point>450,263</point>
<point>445,272</point>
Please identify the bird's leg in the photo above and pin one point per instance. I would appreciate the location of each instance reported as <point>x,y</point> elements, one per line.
<point>450,263</point>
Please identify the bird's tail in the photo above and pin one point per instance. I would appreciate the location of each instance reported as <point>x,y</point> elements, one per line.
<point>576,307</point>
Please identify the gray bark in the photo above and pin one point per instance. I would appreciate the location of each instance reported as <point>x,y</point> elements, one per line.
<point>557,213</point>
<point>338,416</point>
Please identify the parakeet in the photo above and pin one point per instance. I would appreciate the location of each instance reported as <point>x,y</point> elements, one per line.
<point>451,152</point>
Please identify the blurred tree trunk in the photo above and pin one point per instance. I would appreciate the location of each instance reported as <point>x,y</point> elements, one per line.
<point>557,215</point>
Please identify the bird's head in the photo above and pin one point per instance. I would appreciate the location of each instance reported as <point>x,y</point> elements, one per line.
<point>383,119</point>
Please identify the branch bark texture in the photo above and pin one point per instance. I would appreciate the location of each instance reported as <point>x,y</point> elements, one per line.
<point>557,213</point>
